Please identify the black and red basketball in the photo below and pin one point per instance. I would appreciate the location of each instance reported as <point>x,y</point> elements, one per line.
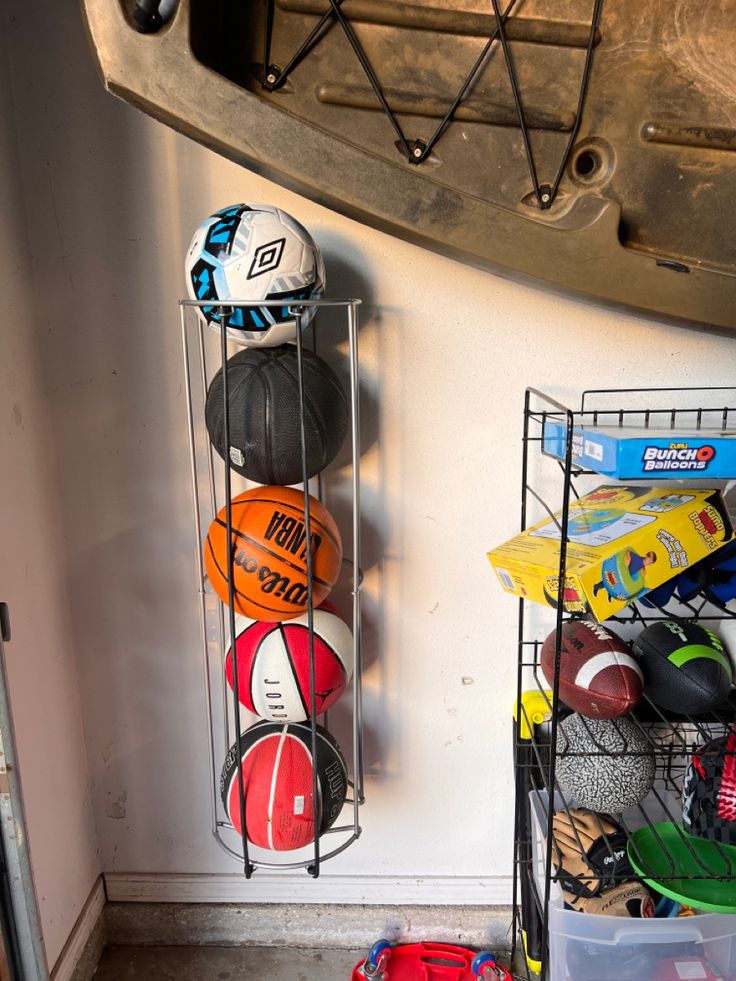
<point>274,669</point>
<point>278,784</point>
<point>599,678</point>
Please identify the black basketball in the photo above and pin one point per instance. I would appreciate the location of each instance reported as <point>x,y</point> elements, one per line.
<point>263,395</point>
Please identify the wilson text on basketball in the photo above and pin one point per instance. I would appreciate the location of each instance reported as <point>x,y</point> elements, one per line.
<point>273,582</point>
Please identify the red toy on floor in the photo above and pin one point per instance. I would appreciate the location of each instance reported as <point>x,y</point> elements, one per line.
<point>428,962</point>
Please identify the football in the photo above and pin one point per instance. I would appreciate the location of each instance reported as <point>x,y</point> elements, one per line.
<point>254,253</point>
<point>599,678</point>
<point>686,668</point>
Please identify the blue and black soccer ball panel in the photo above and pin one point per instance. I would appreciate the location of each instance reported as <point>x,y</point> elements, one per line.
<point>203,281</point>
<point>245,318</point>
<point>222,233</point>
<point>263,318</point>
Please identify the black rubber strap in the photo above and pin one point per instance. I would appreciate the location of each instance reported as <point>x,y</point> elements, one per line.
<point>267,38</point>
<point>274,77</point>
<point>372,77</point>
<point>581,98</point>
<point>546,194</point>
<point>501,28</point>
<point>480,61</point>
<point>4,622</point>
<point>418,150</point>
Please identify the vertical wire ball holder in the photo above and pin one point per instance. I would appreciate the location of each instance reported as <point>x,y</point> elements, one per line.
<point>217,620</point>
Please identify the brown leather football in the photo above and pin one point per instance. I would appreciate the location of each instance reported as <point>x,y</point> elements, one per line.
<point>599,677</point>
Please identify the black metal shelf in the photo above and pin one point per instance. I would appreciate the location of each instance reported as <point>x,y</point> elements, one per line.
<point>668,738</point>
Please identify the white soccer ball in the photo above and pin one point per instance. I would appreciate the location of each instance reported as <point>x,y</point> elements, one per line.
<point>251,253</point>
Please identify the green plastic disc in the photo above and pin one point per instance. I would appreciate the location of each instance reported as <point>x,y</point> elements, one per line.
<point>665,856</point>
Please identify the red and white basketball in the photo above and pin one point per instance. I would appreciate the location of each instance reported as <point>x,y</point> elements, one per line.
<point>273,665</point>
<point>278,784</point>
<point>599,677</point>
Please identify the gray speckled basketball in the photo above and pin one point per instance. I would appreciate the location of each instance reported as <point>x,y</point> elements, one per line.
<point>590,777</point>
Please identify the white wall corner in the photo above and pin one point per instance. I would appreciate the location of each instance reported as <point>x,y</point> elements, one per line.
<point>83,929</point>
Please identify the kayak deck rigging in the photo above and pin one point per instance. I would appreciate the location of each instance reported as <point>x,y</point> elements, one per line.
<point>409,117</point>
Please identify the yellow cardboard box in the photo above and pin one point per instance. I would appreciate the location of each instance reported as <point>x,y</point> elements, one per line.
<point>622,541</point>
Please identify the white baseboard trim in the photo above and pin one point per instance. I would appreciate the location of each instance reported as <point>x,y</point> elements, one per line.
<point>305,925</point>
<point>81,932</point>
<point>289,888</point>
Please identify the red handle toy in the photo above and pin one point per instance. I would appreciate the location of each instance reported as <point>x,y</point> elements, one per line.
<point>428,962</point>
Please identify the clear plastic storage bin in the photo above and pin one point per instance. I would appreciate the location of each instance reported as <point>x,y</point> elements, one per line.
<point>613,948</point>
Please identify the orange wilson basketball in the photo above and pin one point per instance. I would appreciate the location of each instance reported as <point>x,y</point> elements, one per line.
<point>270,553</point>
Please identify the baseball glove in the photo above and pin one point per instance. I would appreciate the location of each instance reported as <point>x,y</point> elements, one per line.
<point>624,899</point>
<point>589,852</point>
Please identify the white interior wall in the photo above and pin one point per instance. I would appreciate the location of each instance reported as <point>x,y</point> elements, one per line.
<point>41,662</point>
<point>446,352</point>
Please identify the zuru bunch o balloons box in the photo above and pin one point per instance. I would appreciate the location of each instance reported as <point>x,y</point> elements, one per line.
<point>623,541</point>
<point>639,453</point>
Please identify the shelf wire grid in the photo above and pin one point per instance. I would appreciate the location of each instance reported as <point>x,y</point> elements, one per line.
<point>669,739</point>
<point>217,620</point>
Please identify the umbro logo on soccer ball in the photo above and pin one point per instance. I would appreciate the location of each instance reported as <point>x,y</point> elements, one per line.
<point>266,258</point>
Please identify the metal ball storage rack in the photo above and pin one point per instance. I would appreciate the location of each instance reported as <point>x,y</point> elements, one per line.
<point>550,486</point>
<point>212,488</point>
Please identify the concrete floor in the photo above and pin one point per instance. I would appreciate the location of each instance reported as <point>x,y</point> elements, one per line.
<point>225,964</point>
<point>206,963</point>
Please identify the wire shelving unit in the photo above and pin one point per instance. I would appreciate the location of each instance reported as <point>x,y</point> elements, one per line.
<point>548,488</point>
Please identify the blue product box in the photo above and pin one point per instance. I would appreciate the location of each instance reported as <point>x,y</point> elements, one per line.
<point>631,452</point>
